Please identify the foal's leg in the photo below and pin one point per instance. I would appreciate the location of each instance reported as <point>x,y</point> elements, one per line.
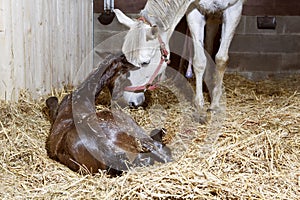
<point>196,23</point>
<point>231,19</point>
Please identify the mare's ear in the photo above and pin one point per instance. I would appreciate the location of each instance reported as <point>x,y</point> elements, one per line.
<point>123,19</point>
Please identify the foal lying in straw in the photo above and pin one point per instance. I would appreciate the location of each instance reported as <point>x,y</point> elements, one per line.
<point>103,140</point>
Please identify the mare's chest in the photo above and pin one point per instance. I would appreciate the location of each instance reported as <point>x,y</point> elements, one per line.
<point>214,6</point>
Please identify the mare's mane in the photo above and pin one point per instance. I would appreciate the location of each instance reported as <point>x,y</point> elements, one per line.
<point>163,12</point>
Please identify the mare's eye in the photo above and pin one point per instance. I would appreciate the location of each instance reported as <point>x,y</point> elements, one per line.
<point>146,63</point>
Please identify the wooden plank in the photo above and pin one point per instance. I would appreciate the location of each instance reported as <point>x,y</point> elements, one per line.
<point>45,65</point>
<point>1,16</point>
<point>18,48</point>
<point>29,38</point>
<point>84,65</point>
<point>5,55</point>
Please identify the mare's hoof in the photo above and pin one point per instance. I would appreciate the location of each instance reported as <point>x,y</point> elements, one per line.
<point>200,117</point>
<point>214,109</point>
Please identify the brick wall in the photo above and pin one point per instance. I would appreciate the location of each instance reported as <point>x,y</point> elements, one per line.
<point>251,7</point>
<point>272,7</point>
<point>266,50</point>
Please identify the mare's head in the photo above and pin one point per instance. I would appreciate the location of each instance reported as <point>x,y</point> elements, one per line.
<point>141,48</point>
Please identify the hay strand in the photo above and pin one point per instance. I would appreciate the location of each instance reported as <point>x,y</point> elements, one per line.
<point>257,155</point>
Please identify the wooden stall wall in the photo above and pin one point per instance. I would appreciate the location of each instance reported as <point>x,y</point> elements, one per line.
<point>42,44</point>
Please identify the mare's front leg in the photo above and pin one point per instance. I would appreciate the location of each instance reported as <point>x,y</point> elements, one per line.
<point>231,19</point>
<point>196,23</point>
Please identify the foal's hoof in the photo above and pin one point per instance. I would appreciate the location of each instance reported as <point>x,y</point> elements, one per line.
<point>158,134</point>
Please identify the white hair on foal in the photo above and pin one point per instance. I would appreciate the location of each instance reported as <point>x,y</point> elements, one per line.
<point>166,14</point>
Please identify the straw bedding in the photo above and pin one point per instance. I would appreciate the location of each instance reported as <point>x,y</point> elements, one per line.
<point>256,156</point>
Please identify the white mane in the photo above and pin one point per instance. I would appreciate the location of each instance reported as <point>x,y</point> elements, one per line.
<point>165,13</point>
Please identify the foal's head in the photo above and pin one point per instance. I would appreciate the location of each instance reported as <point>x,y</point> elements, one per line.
<point>141,48</point>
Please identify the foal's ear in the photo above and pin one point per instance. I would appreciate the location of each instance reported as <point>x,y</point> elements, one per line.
<point>52,102</point>
<point>123,19</point>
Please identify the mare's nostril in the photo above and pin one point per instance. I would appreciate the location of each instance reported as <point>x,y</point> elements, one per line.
<point>146,63</point>
<point>132,105</point>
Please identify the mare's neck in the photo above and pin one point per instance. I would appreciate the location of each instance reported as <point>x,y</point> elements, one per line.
<point>180,14</point>
<point>166,14</point>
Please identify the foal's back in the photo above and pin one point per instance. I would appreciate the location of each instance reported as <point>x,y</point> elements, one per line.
<point>74,149</point>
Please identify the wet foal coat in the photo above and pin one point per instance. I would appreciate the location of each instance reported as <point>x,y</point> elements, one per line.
<point>65,144</point>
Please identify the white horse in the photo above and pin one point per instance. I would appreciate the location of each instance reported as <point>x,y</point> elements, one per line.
<point>147,42</point>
